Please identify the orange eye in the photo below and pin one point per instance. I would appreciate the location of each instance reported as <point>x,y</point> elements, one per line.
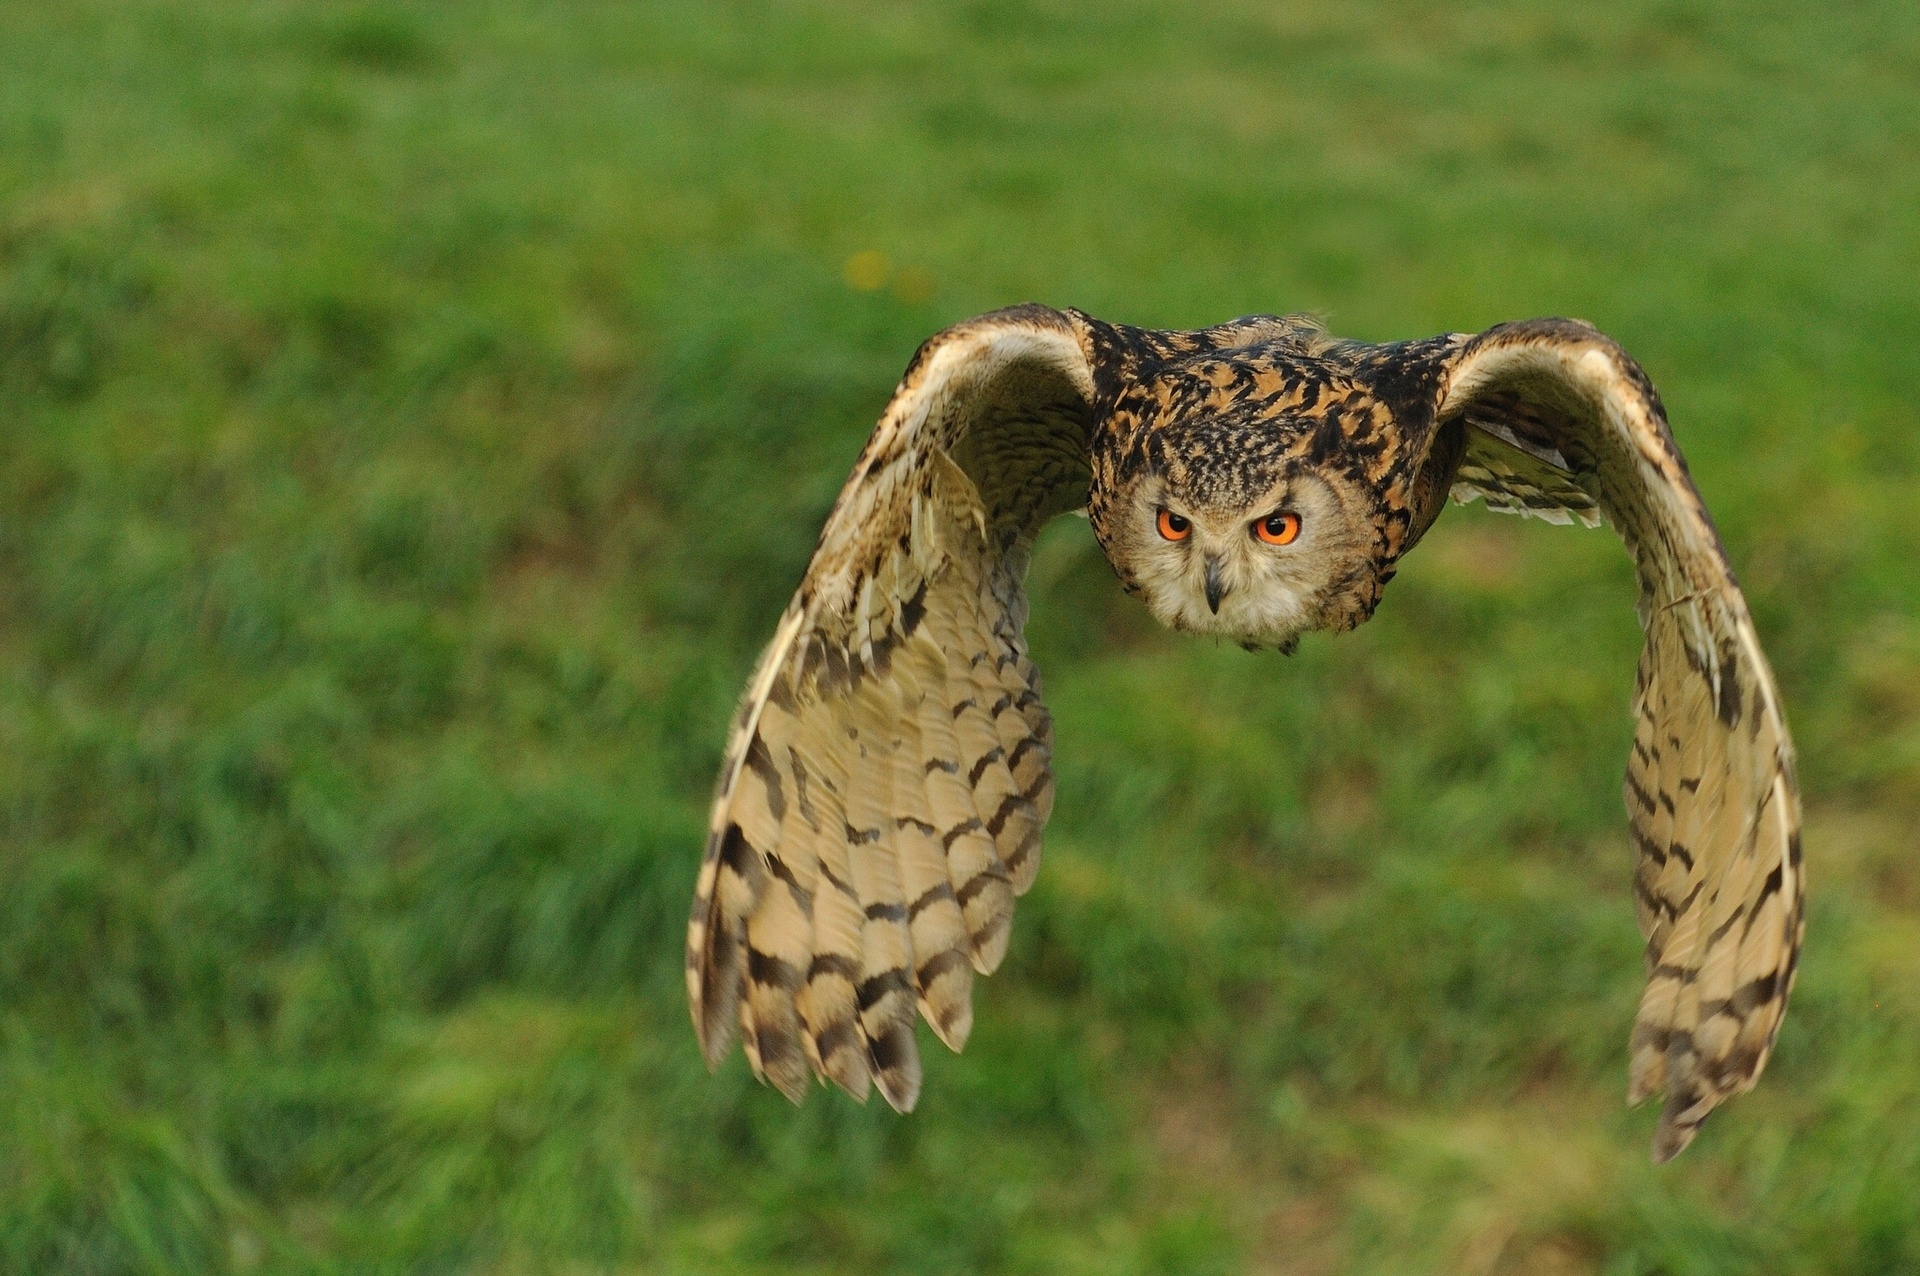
<point>1172,526</point>
<point>1278,529</point>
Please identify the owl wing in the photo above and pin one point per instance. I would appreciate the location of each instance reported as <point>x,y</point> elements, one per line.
<point>1561,421</point>
<point>887,775</point>
<point>1515,474</point>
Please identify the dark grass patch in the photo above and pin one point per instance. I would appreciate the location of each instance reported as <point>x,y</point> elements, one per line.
<point>383,39</point>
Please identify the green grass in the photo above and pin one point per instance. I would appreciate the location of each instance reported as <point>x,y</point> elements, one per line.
<point>415,416</point>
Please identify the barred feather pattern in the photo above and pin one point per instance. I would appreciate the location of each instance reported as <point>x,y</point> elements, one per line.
<point>1512,481</point>
<point>1710,791</point>
<point>888,774</point>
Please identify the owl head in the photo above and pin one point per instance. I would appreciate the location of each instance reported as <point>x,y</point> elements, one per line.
<point>1230,535</point>
<point>1251,506</point>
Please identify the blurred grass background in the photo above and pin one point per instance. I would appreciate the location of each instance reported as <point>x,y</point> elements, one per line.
<point>416,415</point>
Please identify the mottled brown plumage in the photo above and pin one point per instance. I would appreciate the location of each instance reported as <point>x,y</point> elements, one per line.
<point>887,777</point>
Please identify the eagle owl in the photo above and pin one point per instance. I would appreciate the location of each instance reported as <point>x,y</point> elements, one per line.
<point>887,776</point>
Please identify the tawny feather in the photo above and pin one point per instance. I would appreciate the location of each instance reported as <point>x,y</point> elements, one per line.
<point>830,1005</point>
<point>981,882</point>
<point>884,994</point>
<point>943,969</point>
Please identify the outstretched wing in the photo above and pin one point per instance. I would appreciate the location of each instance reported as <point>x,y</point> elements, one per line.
<point>887,776</point>
<point>1560,422</point>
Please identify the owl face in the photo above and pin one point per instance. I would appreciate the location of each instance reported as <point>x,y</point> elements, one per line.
<point>1258,559</point>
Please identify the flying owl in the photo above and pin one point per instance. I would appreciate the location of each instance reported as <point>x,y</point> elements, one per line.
<point>888,773</point>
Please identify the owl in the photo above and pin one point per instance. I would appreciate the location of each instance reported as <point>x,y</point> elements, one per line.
<point>887,776</point>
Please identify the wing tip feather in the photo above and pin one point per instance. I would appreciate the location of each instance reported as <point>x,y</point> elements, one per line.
<point>1669,1141</point>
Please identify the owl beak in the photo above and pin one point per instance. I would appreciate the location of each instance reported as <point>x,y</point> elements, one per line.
<point>1216,589</point>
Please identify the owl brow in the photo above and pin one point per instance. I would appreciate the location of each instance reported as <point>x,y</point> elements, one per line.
<point>1279,496</point>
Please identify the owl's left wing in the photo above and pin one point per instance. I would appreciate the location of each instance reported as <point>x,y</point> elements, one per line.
<point>887,775</point>
<point>1560,422</point>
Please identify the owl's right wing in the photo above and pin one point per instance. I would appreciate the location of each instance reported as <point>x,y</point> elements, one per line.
<point>887,774</point>
<point>1562,424</point>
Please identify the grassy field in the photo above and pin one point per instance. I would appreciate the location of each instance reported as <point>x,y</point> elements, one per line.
<point>415,416</point>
